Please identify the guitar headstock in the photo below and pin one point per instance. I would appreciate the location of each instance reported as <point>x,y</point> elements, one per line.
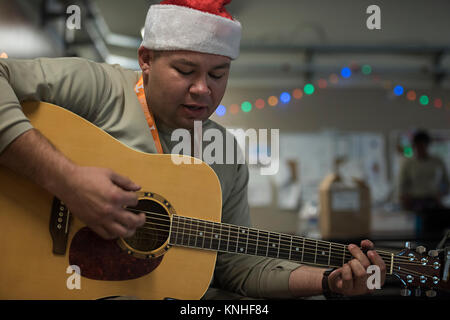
<point>418,269</point>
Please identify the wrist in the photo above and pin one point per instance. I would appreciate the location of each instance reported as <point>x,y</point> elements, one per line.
<point>60,180</point>
<point>305,281</point>
<point>326,288</point>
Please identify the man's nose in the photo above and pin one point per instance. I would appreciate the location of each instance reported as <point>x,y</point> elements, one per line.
<point>200,86</point>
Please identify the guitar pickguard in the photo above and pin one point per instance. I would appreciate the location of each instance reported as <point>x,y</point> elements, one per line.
<point>100,259</point>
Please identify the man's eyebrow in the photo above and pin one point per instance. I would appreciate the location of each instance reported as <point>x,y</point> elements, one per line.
<point>192,64</point>
<point>222,66</point>
<point>186,62</point>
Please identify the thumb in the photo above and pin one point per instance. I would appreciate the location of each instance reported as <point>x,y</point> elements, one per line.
<point>124,182</point>
<point>334,279</point>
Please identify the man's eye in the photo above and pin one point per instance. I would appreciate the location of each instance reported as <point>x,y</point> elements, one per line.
<point>184,72</point>
<point>216,76</point>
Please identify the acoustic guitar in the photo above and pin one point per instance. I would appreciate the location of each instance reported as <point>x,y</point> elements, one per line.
<point>47,253</point>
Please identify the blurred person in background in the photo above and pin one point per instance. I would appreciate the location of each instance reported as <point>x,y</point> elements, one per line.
<point>422,185</point>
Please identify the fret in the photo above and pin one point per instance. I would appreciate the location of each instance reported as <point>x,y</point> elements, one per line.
<point>329,253</point>
<point>273,246</point>
<point>290,249</point>
<point>257,242</point>
<point>391,264</point>
<point>336,256</point>
<point>192,230</point>
<point>285,247</point>
<point>207,242</point>
<point>224,237</point>
<point>279,245</point>
<point>252,242</point>
<point>322,253</point>
<point>315,253</point>
<point>246,243</point>
<point>297,249</point>
<point>303,249</point>
<point>242,240</point>
<point>184,235</point>
<point>215,241</point>
<point>263,243</point>
<point>308,254</point>
<point>174,230</point>
<point>234,237</point>
<point>200,234</point>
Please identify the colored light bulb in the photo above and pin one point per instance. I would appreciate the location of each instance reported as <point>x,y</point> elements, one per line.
<point>308,89</point>
<point>285,97</point>
<point>246,106</point>
<point>221,110</point>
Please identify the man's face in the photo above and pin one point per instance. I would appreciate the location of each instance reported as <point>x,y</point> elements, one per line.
<point>182,86</point>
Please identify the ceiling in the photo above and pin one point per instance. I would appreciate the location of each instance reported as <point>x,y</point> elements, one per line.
<point>283,41</point>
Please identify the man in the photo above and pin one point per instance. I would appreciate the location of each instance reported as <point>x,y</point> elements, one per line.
<point>423,182</point>
<point>185,61</point>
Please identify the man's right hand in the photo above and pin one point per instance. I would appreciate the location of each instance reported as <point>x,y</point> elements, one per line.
<point>94,195</point>
<point>97,196</point>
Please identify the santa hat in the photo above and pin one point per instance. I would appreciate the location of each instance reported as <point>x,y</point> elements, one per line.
<point>193,25</point>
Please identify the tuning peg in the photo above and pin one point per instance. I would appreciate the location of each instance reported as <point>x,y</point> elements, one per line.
<point>433,253</point>
<point>430,293</point>
<point>405,292</point>
<point>418,292</point>
<point>408,245</point>
<point>421,249</point>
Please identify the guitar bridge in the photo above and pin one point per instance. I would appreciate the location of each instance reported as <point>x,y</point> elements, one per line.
<point>59,226</point>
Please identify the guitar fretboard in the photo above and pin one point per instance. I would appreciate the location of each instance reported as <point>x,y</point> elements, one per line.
<point>222,237</point>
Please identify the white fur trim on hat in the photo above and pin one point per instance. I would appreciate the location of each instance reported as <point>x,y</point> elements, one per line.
<point>171,27</point>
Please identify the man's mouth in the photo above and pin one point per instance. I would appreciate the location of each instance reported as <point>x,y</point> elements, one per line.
<point>194,107</point>
<point>195,111</point>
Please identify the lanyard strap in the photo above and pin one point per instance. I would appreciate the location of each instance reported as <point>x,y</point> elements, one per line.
<point>139,89</point>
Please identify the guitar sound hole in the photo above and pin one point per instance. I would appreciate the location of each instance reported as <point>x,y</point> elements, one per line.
<point>155,232</point>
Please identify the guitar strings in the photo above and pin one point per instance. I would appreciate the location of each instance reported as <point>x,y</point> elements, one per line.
<point>347,255</point>
<point>231,226</point>
<point>329,246</point>
<point>284,250</point>
<point>404,271</point>
<point>284,246</point>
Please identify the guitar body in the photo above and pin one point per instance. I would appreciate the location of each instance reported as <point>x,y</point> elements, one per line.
<point>29,269</point>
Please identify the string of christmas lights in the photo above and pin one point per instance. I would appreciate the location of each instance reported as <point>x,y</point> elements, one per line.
<point>308,89</point>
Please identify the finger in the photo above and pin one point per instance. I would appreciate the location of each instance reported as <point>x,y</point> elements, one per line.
<point>129,220</point>
<point>359,255</point>
<point>123,198</point>
<point>335,279</point>
<point>118,230</point>
<point>124,182</point>
<point>359,274</point>
<point>377,260</point>
<point>347,279</point>
<point>367,244</point>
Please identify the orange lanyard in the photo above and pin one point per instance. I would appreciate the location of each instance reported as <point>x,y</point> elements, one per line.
<point>139,89</point>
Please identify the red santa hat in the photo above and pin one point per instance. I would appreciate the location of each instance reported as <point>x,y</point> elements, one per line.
<point>193,25</point>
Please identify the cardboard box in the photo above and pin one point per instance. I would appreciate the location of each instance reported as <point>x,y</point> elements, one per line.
<point>344,208</point>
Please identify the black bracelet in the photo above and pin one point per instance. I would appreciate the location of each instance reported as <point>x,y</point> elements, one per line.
<point>326,288</point>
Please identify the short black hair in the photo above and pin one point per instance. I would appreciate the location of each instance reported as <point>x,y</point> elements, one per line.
<point>421,136</point>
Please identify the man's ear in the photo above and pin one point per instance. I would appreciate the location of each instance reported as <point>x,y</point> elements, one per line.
<point>145,58</point>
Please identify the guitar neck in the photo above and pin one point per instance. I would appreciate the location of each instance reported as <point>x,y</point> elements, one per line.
<point>222,237</point>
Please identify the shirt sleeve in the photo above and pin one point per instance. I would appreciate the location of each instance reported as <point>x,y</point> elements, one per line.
<point>251,276</point>
<point>79,85</point>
